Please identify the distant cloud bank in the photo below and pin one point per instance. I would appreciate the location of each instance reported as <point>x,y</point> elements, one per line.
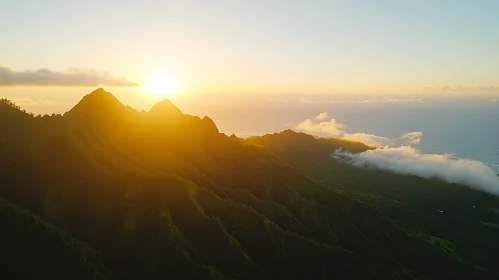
<point>27,101</point>
<point>460,88</point>
<point>408,160</point>
<point>72,77</point>
<point>365,101</point>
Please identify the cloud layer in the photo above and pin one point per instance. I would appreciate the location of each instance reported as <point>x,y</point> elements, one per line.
<point>409,138</point>
<point>323,124</point>
<point>460,88</point>
<point>72,77</point>
<point>27,101</point>
<point>397,155</point>
<point>368,139</point>
<point>365,101</point>
<point>408,160</point>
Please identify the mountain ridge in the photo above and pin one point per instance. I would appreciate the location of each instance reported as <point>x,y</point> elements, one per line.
<point>172,196</point>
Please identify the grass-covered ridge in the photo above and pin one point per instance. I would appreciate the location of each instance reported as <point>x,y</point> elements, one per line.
<point>453,218</point>
<point>161,194</point>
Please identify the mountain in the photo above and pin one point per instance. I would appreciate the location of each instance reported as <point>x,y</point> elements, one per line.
<point>162,194</point>
<point>465,229</point>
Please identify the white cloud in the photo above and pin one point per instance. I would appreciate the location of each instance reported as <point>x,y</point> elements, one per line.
<point>412,137</point>
<point>320,125</point>
<point>381,141</point>
<point>368,139</point>
<point>322,116</point>
<point>324,125</point>
<point>408,160</point>
<point>397,155</point>
<point>369,101</point>
<point>402,100</point>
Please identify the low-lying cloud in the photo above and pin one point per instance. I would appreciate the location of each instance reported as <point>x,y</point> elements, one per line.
<point>72,77</point>
<point>408,160</point>
<point>321,124</point>
<point>324,125</point>
<point>368,139</point>
<point>399,156</point>
<point>409,138</point>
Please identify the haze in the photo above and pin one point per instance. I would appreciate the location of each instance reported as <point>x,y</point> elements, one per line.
<point>332,48</point>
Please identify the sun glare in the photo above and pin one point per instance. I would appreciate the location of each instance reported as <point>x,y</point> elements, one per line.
<point>160,85</point>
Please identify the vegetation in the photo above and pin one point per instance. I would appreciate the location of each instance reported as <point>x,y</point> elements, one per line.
<point>490,224</point>
<point>161,194</point>
<point>33,248</point>
<point>464,228</point>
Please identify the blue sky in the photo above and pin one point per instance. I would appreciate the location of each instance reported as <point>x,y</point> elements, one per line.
<point>231,46</point>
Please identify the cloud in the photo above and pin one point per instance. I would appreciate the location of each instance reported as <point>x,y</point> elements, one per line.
<point>320,125</point>
<point>408,160</point>
<point>403,100</point>
<point>365,101</point>
<point>460,88</point>
<point>368,139</point>
<point>398,156</point>
<point>322,116</point>
<point>72,77</point>
<point>27,101</point>
<point>304,100</point>
<point>412,137</point>
<point>381,141</point>
<point>324,125</point>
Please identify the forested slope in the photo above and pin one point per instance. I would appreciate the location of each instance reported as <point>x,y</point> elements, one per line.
<point>162,194</point>
<point>455,218</point>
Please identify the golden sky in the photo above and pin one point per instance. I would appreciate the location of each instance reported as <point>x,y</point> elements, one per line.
<point>55,50</point>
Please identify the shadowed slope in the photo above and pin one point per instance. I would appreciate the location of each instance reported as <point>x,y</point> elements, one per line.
<point>32,248</point>
<point>164,194</point>
<point>412,202</point>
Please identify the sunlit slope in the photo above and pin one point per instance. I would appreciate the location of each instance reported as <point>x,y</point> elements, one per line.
<point>163,194</point>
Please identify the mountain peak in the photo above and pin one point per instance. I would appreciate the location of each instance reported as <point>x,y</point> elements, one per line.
<point>165,107</point>
<point>97,100</point>
<point>100,94</point>
<point>99,90</point>
<point>209,124</point>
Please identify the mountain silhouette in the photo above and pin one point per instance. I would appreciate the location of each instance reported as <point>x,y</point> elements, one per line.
<point>162,194</point>
<point>165,108</point>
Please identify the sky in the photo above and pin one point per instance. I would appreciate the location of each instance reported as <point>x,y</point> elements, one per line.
<point>53,52</point>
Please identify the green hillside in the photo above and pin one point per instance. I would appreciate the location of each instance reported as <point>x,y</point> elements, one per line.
<point>464,228</point>
<point>164,195</point>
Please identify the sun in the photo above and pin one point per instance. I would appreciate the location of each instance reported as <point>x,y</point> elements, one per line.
<point>161,85</point>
